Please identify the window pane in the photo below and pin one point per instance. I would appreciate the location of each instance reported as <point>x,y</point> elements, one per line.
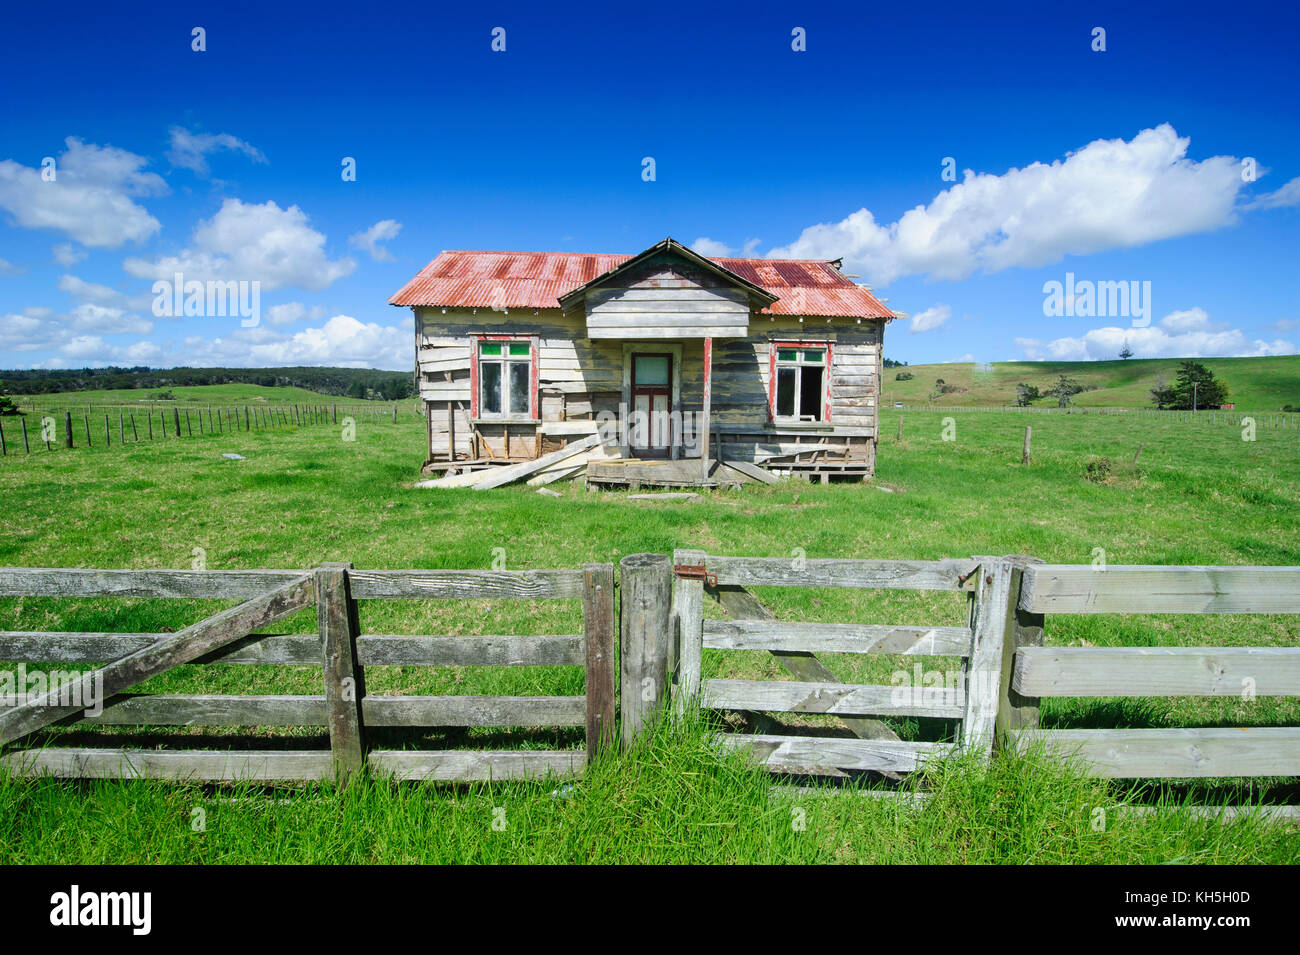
<point>651,370</point>
<point>519,348</point>
<point>785,383</point>
<point>786,354</point>
<point>813,355</point>
<point>489,376</point>
<point>810,394</point>
<point>519,373</point>
<point>489,348</point>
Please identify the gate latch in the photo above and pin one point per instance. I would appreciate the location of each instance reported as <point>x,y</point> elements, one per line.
<point>696,572</point>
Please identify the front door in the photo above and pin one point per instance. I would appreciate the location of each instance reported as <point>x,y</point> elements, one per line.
<point>650,432</point>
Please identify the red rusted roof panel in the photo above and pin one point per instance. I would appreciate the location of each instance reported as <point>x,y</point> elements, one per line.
<point>538,279</point>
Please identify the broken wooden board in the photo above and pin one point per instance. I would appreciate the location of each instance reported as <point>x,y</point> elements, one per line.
<point>752,470</point>
<point>496,477</point>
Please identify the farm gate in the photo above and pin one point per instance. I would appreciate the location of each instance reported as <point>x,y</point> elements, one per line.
<point>339,648</point>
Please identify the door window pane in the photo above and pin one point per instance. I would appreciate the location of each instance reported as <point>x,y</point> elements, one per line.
<point>651,371</point>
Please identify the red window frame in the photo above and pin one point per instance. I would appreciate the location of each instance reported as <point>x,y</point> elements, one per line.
<point>776,346</point>
<point>534,406</point>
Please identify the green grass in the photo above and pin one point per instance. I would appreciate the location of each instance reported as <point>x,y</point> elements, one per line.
<point>1254,384</point>
<point>1199,495</point>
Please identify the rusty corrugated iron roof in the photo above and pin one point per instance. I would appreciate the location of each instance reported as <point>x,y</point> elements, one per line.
<point>461,279</point>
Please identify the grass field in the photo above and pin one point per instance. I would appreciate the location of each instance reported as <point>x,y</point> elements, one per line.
<point>1200,495</point>
<point>1254,384</point>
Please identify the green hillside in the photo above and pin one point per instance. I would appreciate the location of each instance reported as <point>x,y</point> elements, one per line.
<point>181,395</point>
<point>1254,384</point>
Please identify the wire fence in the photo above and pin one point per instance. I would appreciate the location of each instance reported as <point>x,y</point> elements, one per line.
<point>1232,417</point>
<point>42,427</point>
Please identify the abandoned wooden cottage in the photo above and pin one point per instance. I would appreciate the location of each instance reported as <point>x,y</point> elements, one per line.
<point>665,368</point>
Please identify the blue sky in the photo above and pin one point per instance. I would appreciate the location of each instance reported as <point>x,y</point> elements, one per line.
<point>1117,165</point>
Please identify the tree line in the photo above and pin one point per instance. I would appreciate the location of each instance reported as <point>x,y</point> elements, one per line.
<point>360,383</point>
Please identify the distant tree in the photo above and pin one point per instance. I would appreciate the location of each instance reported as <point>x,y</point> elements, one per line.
<point>1063,391</point>
<point>1196,387</point>
<point>904,376</point>
<point>1025,394</point>
<point>7,406</point>
<point>1126,352</point>
<point>1161,394</point>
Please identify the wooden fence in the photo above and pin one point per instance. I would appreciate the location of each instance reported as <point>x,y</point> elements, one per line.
<point>1005,669</point>
<point>339,648</point>
<point>1242,672</point>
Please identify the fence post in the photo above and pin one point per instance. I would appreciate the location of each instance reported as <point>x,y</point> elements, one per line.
<point>337,618</point>
<point>1029,434</point>
<point>992,620</point>
<point>67,427</point>
<point>598,626</point>
<point>26,447</point>
<point>1016,712</point>
<point>688,624</point>
<point>646,583</point>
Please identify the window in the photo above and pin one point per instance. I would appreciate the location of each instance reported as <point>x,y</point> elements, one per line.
<point>505,374</point>
<point>800,389</point>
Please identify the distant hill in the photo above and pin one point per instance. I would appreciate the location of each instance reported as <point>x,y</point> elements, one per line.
<point>1254,384</point>
<point>341,382</point>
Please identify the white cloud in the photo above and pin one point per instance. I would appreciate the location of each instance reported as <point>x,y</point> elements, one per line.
<point>965,359</point>
<point>78,329</point>
<point>90,199</point>
<point>1287,195</point>
<point>291,312</point>
<point>190,150</point>
<point>342,340</point>
<point>381,231</point>
<point>1182,334</point>
<point>247,242</point>
<point>91,291</point>
<point>8,268</point>
<point>67,255</point>
<point>711,248</point>
<point>930,319</point>
<point>1109,194</point>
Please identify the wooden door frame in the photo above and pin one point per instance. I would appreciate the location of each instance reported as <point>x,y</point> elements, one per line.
<point>652,348</point>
